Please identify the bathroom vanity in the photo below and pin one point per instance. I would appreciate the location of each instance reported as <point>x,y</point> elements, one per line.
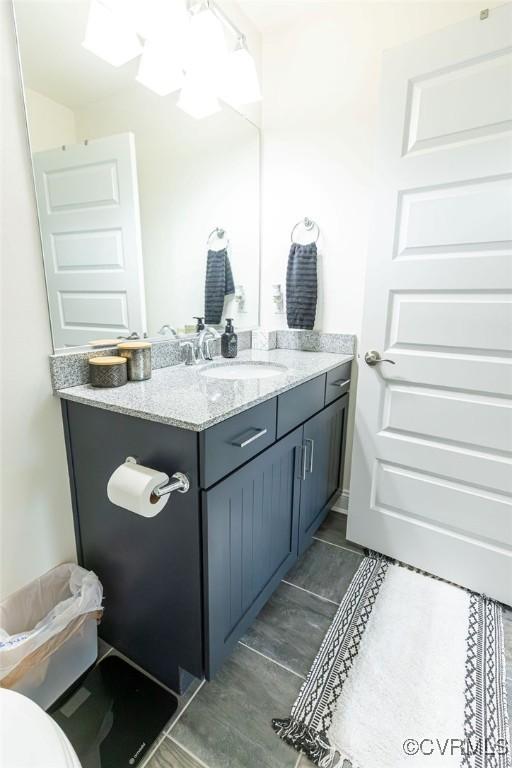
<point>263,457</point>
<point>126,208</point>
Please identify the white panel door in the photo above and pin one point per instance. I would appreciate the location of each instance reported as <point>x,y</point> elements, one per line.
<point>88,205</point>
<point>432,469</point>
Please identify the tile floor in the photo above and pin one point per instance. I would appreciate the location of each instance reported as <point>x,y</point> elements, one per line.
<point>226,723</point>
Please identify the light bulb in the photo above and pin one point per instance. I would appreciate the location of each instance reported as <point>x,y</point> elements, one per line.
<point>160,70</point>
<point>109,36</point>
<point>239,80</point>
<point>196,98</point>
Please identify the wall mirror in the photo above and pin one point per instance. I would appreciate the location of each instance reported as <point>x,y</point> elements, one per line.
<point>138,189</point>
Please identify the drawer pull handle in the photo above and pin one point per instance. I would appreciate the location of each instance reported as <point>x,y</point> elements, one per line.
<point>340,383</point>
<point>241,442</point>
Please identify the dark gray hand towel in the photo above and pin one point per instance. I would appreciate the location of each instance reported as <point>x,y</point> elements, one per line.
<point>301,286</point>
<point>219,283</point>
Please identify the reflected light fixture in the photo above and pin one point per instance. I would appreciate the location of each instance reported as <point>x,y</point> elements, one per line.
<point>160,69</point>
<point>109,36</point>
<point>184,47</point>
<point>239,80</point>
<point>197,99</point>
<point>206,45</point>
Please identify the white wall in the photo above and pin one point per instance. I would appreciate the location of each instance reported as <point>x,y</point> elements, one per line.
<point>36,529</point>
<point>50,124</point>
<point>320,83</point>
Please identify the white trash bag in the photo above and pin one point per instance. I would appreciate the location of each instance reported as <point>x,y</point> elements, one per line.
<point>42,617</point>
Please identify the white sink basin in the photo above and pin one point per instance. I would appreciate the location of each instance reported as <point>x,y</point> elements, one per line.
<point>244,370</point>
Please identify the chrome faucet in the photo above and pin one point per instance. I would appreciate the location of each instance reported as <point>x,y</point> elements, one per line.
<point>166,330</point>
<point>206,338</point>
<point>203,350</point>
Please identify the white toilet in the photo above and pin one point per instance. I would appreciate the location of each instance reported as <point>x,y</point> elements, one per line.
<point>29,738</point>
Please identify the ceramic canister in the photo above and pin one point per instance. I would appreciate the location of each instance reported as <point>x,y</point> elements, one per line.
<point>107,371</point>
<point>138,357</point>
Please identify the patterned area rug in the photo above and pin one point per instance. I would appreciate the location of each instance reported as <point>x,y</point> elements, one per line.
<point>411,672</point>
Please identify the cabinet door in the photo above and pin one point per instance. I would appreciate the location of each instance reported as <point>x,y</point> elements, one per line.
<point>324,437</point>
<point>250,530</point>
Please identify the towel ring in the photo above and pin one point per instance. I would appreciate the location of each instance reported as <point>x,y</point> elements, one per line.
<point>309,225</point>
<point>221,234</point>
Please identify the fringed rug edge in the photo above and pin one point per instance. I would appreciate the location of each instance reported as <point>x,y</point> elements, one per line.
<point>305,737</point>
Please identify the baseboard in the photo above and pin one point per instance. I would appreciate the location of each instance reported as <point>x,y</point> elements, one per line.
<point>341,503</point>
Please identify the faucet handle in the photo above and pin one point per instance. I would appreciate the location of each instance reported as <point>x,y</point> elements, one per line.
<point>206,336</point>
<point>208,353</point>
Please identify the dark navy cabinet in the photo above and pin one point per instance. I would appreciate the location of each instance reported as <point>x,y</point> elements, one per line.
<point>150,568</point>
<point>323,444</point>
<point>250,528</point>
<point>182,587</point>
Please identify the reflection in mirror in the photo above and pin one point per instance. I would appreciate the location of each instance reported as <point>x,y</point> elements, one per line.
<point>148,215</point>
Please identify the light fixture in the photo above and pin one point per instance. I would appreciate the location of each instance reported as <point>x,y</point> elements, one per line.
<point>207,50</point>
<point>160,69</point>
<point>239,80</point>
<point>196,98</point>
<point>184,47</point>
<point>109,35</point>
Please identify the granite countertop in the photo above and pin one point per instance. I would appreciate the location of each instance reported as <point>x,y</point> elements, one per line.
<point>181,396</point>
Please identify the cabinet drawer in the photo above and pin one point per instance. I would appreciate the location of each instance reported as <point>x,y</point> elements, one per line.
<point>228,445</point>
<point>337,382</point>
<point>298,404</point>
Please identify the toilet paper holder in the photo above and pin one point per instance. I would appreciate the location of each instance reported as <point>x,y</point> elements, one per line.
<point>178,482</point>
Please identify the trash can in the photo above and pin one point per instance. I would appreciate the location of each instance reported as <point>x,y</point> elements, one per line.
<point>48,633</point>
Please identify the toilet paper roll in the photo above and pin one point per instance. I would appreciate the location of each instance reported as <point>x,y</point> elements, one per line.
<point>131,487</point>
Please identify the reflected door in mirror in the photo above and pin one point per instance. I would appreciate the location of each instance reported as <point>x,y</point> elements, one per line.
<point>88,205</point>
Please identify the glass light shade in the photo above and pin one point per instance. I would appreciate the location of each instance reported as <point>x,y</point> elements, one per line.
<point>239,80</point>
<point>206,46</point>
<point>159,69</point>
<point>109,36</point>
<point>158,19</point>
<point>196,99</point>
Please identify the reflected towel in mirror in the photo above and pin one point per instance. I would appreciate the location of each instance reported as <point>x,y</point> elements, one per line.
<point>218,284</point>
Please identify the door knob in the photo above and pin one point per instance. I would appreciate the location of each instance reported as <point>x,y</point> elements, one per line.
<point>373,358</point>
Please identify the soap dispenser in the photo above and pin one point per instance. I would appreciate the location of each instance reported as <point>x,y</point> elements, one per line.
<point>200,324</point>
<point>229,340</point>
